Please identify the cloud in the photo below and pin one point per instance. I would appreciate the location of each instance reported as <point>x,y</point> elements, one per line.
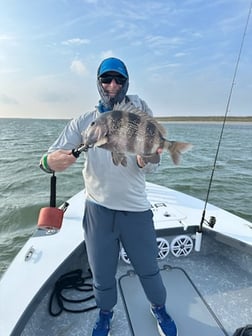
<point>161,67</point>
<point>50,96</point>
<point>91,1</point>
<point>7,100</point>
<point>58,91</point>
<point>180,54</point>
<point>6,37</point>
<point>162,41</point>
<point>75,42</point>
<point>78,68</point>
<point>106,54</point>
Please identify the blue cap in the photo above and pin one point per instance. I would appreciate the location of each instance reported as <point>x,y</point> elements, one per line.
<point>112,64</point>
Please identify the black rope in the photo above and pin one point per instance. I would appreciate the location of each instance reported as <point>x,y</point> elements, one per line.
<point>225,116</point>
<point>72,280</point>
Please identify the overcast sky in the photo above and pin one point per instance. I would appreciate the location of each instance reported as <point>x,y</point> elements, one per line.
<point>181,55</point>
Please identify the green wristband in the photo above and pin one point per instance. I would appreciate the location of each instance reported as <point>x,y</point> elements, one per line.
<point>44,165</point>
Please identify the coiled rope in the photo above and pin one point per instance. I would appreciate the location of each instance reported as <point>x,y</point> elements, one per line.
<point>72,280</point>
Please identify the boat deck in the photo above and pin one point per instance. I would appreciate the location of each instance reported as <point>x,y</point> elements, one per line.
<point>220,275</point>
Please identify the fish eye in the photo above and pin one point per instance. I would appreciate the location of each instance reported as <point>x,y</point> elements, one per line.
<point>92,123</point>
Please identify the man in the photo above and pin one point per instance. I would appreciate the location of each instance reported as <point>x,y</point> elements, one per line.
<point>117,209</point>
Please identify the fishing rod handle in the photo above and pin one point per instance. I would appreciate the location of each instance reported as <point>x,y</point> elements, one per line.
<point>76,151</point>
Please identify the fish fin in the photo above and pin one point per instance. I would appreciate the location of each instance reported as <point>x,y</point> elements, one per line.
<point>119,158</point>
<point>176,149</point>
<point>127,107</point>
<point>154,158</point>
<point>124,161</point>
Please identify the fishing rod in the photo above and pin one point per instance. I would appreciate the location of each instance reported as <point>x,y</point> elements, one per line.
<point>212,220</point>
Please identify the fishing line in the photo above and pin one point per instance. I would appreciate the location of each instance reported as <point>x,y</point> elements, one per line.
<point>225,116</point>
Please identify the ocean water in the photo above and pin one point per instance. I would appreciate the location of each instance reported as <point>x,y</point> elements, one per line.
<point>25,188</point>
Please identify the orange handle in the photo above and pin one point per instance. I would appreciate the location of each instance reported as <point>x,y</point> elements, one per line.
<point>50,218</point>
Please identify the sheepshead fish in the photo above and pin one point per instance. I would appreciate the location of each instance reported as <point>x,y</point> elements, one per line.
<point>128,130</point>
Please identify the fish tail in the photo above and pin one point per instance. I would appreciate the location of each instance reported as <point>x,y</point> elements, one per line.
<point>176,149</point>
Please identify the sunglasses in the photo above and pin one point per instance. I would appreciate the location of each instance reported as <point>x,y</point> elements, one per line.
<point>120,80</point>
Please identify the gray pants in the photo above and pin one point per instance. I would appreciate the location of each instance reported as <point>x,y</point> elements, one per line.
<point>104,230</point>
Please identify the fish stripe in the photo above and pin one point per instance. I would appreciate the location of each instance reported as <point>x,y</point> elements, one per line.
<point>134,121</point>
<point>150,135</point>
<point>116,121</point>
<point>117,117</point>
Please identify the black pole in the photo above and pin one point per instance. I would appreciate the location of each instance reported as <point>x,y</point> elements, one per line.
<point>53,191</point>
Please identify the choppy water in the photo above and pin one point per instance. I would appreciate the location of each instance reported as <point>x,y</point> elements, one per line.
<point>24,188</point>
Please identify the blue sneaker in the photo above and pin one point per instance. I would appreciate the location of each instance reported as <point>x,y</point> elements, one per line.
<point>102,325</point>
<point>166,325</point>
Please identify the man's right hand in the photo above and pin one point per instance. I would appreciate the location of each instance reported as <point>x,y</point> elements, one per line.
<point>60,160</point>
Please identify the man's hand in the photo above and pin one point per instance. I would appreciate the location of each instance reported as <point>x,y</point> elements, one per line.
<point>142,160</point>
<point>60,160</point>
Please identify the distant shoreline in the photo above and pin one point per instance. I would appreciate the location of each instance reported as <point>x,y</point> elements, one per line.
<point>182,119</point>
<point>204,119</point>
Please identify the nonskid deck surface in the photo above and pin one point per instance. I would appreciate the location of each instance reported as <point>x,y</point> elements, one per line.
<point>185,305</point>
<point>223,280</point>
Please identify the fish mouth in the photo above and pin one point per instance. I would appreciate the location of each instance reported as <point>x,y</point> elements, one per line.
<point>101,141</point>
<point>89,146</point>
<point>95,138</point>
<point>83,148</point>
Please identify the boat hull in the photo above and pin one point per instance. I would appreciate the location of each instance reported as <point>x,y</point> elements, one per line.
<point>48,254</point>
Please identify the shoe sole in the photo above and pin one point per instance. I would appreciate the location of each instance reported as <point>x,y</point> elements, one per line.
<point>161,333</point>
